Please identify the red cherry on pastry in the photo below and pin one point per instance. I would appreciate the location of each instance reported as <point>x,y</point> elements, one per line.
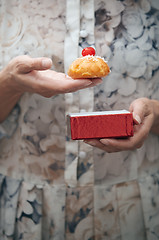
<point>88,51</point>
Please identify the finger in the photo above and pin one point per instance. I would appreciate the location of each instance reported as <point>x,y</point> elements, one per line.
<point>118,144</point>
<point>96,143</point>
<point>68,84</point>
<point>92,84</point>
<point>25,64</point>
<point>130,143</point>
<point>139,109</point>
<point>138,114</point>
<point>93,142</point>
<point>96,81</point>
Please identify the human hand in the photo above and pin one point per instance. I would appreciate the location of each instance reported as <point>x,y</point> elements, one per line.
<point>143,110</point>
<point>26,74</point>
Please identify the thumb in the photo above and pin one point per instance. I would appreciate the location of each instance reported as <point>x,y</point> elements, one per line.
<point>27,64</point>
<point>137,110</point>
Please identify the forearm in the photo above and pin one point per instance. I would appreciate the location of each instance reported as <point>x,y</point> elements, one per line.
<point>8,97</point>
<point>155,126</point>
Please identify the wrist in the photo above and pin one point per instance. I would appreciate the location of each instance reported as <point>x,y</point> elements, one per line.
<point>155,107</point>
<point>8,84</point>
<point>8,96</point>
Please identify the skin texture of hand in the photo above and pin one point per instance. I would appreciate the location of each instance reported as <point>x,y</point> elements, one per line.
<point>146,119</point>
<point>26,74</point>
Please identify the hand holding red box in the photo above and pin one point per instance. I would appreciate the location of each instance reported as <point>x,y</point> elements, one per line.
<point>104,124</point>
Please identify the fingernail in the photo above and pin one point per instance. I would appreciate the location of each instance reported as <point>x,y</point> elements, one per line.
<point>104,141</point>
<point>98,83</point>
<point>87,83</point>
<point>137,119</point>
<point>46,63</point>
<point>89,142</point>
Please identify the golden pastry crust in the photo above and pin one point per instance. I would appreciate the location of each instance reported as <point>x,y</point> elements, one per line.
<point>88,67</point>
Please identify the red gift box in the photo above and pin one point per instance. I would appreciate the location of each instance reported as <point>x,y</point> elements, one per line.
<point>104,124</point>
